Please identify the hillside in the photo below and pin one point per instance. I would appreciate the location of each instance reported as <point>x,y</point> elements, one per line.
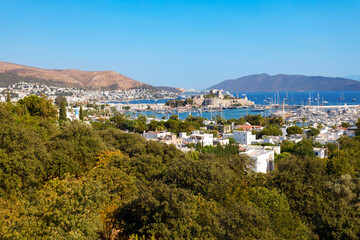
<point>282,82</point>
<point>70,77</point>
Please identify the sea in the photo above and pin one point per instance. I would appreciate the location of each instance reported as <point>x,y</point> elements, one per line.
<point>261,99</point>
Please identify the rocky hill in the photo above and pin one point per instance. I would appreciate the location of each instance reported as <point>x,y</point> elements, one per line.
<point>283,82</point>
<point>70,77</point>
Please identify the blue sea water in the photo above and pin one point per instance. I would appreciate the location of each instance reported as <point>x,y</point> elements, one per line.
<point>302,98</point>
<point>263,98</point>
<point>225,113</point>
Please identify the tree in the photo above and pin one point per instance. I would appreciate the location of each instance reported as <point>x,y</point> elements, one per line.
<point>271,130</point>
<point>294,130</point>
<point>8,99</point>
<point>254,119</point>
<point>81,114</point>
<point>304,148</point>
<point>312,132</point>
<point>357,131</point>
<point>38,106</point>
<point>168,212</point>
<point>62,112</point>
<point>60,99</point>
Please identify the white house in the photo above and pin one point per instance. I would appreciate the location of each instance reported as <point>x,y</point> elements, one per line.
<point>207,122</point>
<point>320,152</point>
<point>222,142</point>
<point>155,135</point>
<point>264,159</point>
<point>295,138</point>
<point>206,139</point>
<point>273,139</point>
<point>277,149</point>
<point>244,137</point>
<point>325,138</point>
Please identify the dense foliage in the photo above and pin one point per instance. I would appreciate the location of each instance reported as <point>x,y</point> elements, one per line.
<point>294,130</point>
<point>179,103</point>
<point>81,181</point>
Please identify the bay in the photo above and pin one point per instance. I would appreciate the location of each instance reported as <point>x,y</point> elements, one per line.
<point>325,98</point>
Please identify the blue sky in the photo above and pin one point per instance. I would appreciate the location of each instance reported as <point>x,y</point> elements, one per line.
<point>189,44</point>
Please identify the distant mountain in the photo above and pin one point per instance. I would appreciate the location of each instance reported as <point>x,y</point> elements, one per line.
<point>11,73</point>
<point>354,77</point>
<point>282,82</point>
<point>171,89</point>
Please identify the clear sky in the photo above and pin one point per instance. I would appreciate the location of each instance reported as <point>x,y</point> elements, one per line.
<point>189,44</point>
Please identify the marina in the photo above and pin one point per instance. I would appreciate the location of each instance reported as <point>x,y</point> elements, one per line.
<point>284,104</point>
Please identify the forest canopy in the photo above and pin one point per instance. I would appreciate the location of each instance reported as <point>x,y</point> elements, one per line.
<point>76,180</point>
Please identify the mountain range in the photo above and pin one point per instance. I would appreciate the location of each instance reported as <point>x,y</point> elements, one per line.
<point>283,82</point>
<point>10,73</point>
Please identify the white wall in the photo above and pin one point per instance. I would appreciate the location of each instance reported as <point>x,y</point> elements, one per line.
<point>244,137</point>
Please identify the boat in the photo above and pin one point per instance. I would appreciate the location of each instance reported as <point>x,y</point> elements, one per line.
<point>341,96</point>
<point>354,99</point>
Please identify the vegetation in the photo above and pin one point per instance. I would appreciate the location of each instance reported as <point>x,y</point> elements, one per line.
<point>62,111</point>
<point>81,113</point>
<point>270,130</point>
<point>312,132</point>
<point>8,98</point>
<point>60,99</point>
<point>179,103</point>
<point>294,130</point>
<point>81,181</point>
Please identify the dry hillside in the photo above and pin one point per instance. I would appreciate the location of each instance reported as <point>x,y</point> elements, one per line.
<point>71,77</point>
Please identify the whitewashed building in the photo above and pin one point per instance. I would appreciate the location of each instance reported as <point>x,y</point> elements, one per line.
<point>244,137</point>
<point>206,139</point>
<point>264,159</point>
<point>320,152</point>
<point>155,135</point>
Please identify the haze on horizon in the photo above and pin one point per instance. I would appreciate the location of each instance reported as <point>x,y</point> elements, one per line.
<point>189,44</point>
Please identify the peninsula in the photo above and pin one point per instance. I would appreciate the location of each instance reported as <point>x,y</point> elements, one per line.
<point>282,82</point>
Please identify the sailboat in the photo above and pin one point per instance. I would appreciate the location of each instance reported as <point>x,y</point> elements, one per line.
<point>341,96</point>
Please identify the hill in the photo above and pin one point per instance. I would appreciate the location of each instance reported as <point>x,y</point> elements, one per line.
<point>11,73</point>
<point>282,82</point>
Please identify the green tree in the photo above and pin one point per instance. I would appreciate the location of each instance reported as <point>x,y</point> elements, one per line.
<point>254,119</point>
<point>312,132</point>
<point>81,114</point>
<point>357,131</point>
<point>8,99</point>
<point>38,106</point>
<point>270,130</point>
<point>62,112</point>
<point>60,99</point>
<point>167,212</point>
<point>294,130</point>
<point>304,148</point>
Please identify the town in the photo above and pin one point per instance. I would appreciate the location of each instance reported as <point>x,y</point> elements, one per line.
<point>252,135</point>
